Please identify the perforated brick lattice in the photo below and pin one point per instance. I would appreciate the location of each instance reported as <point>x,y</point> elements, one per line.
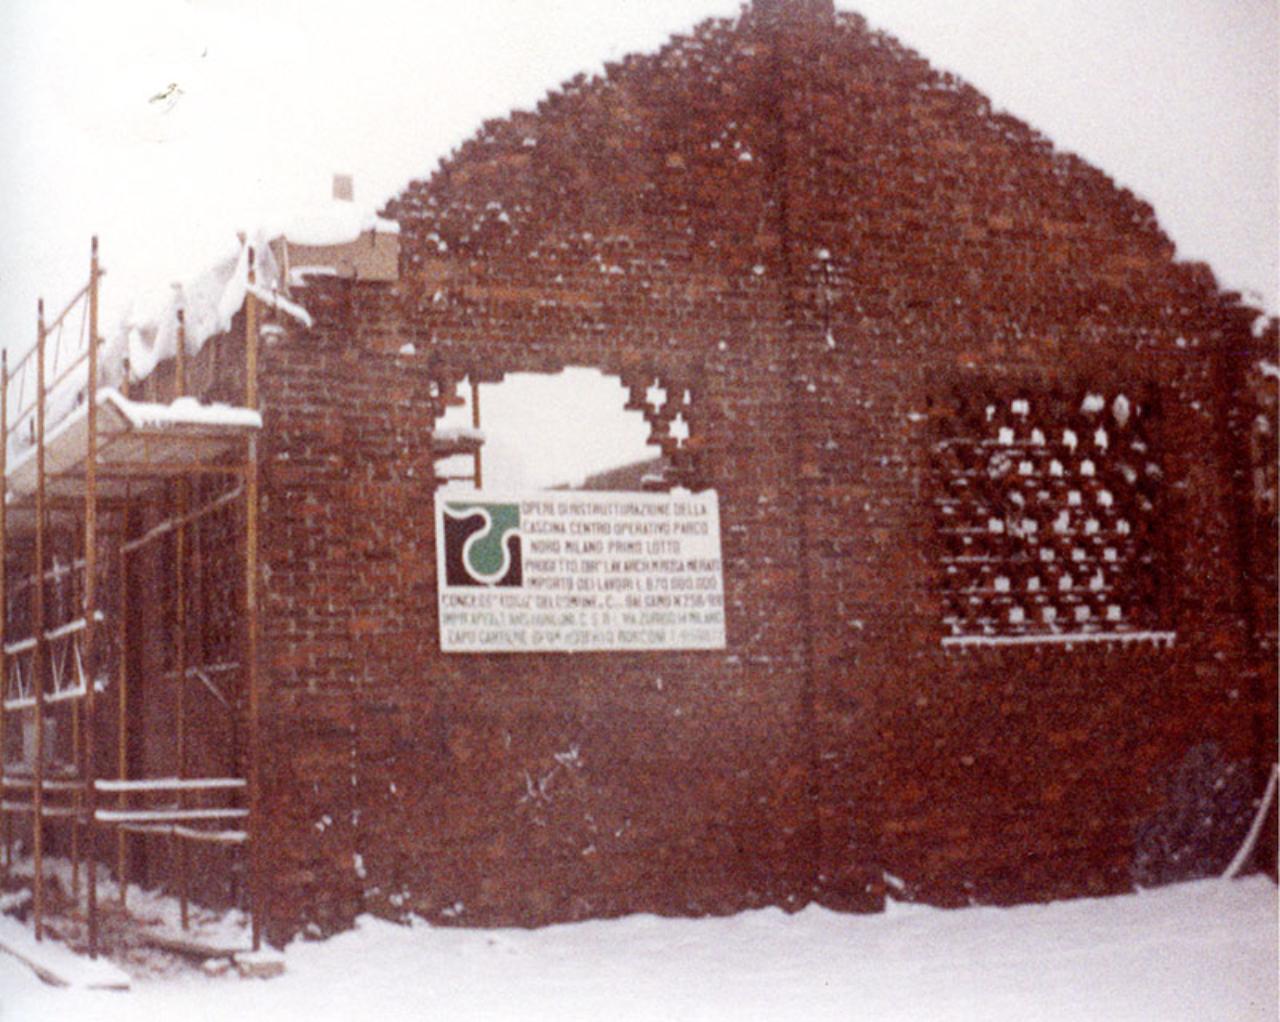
<point>1046,509</point>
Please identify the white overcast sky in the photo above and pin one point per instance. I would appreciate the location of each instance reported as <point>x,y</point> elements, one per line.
<point>1177,99</point>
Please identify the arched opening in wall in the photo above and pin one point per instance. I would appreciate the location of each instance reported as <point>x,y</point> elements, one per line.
<point>576,429</point>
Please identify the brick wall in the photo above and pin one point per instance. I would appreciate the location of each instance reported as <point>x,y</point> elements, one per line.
<point>821,239</point>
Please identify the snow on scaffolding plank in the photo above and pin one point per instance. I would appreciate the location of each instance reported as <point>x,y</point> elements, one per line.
<point>61,696</point>
<point>16,770</point>
<point>214,837</point>
<point>170,784</point>
<point>46,812</point>
<point>26,782</point>
<point>57,964</point>
<point>66,443</point>
<point>166,815</point>
<point>183,412</point>
<point>192,948</point>
<point>53,635</point>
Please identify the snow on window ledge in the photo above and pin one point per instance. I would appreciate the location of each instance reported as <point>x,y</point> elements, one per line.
<point>455,434</point>
<point>1060,639</point>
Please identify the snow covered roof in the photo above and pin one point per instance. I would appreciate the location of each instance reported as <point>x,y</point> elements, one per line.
<point>339,242</point>
<point>209,301</point>
<point>336,223</point>
<point>356,244</point>
<point>335,238</point>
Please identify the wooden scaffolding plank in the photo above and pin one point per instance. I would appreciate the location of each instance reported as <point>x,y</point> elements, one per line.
<point>57,964</point>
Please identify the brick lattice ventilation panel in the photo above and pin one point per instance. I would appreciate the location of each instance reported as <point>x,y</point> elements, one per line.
<point>1045,509</point>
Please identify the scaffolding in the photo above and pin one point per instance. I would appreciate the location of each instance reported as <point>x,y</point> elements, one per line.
<point>92,479</point>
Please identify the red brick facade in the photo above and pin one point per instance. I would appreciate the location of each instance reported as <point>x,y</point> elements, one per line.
<point>831,247</point>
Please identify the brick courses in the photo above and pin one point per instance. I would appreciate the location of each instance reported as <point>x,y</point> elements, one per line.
<point>822,239</point>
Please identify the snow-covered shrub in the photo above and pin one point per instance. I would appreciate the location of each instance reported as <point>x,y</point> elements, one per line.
<point>1207,808</point>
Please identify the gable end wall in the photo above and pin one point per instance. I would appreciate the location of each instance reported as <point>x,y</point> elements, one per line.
<point>819,302</point>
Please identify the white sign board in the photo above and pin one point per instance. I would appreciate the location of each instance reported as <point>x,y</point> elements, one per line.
<point>579,570</point>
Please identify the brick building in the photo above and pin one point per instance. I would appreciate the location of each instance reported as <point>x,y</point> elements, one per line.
<point>998,572</point>
<point>988,566</point>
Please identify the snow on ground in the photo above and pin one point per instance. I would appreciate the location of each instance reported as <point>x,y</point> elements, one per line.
<point>1198,952</point>
<point>68,967</point>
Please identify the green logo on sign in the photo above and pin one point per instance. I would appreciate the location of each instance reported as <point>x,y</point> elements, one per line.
<point>482,544</point>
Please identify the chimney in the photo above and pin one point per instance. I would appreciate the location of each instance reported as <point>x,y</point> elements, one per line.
<point>779,10</point>
<point>344,188</point>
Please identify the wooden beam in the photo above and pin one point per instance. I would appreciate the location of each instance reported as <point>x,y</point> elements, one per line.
<point>103,977</point>
<point>160,470</point>
<point>167,526</point>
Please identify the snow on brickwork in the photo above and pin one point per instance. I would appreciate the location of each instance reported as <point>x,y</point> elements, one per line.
<point>921,258</point>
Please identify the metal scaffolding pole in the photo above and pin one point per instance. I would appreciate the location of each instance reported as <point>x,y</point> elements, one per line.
<point>122,713</point>
<point>52,666</point>
<point>77,753</point>
<point>251,611</point>
<point>4,595</point>
<point>41,645</point>
<point>90,597</point>
<point>122,675</point>
<point>180,629</point>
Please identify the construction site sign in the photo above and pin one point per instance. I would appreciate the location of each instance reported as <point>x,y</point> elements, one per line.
<point>565,571</point>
